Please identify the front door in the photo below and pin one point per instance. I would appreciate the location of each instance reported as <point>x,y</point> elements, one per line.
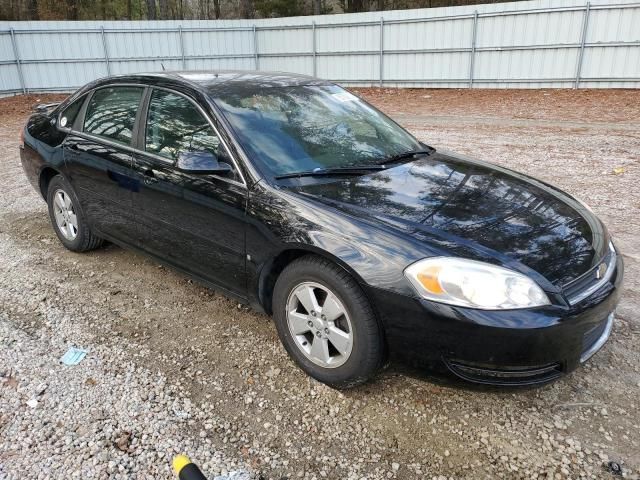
<point>98,157</point>
<point>194,221</point>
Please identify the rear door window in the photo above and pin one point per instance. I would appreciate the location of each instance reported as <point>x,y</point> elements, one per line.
<point>111,113</point>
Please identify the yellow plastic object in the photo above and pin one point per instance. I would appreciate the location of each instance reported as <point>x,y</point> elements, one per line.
<point>179,462</point>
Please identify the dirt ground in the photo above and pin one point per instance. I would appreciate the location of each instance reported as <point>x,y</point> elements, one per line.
<point>181,368</point>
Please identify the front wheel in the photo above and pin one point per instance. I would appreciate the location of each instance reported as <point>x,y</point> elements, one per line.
<point>67,218</point>
<point>326,323</point>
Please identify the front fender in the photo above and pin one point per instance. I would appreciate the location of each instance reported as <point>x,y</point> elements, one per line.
<point>279,222</point>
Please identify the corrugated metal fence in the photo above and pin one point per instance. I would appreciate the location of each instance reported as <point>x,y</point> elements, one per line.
<point>539,43</point>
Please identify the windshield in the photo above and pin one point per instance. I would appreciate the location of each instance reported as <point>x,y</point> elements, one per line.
<point>302,128</point>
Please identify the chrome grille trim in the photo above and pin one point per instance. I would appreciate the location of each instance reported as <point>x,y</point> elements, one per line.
<point>611,267</point>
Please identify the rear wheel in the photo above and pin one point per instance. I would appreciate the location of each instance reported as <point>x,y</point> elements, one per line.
<point>67,218</point>
<point>326,323</point>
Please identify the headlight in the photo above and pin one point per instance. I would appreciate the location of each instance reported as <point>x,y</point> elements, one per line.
<point>469,283</point>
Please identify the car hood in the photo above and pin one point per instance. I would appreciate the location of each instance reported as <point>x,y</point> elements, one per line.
<point>478,206</point>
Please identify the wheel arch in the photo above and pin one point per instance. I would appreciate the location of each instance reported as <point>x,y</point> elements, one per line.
<point>46,174</point>
<point>271,271</point>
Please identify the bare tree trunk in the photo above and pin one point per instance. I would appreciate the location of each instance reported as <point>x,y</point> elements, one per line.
<point>380,5</point>
<point>33,10</point>
<point>72,10</point>
<point>216,9</point>
<point>246,9</point>
<point>151,9</point>
<point>14,9</point>
<point>355,6</point>
<point>129,10</point>
<point>317,7</point>
<point>164,9</point>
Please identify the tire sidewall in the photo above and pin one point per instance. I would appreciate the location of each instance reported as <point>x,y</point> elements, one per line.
<point>355,369</point>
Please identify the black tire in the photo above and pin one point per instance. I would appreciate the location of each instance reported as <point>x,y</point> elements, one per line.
<point>367,352</point>
<point>84,239</point>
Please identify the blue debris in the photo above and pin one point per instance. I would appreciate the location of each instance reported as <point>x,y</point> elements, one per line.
<point>73,356</point>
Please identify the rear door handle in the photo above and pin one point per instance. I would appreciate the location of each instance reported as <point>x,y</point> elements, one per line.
<point>149,177</point>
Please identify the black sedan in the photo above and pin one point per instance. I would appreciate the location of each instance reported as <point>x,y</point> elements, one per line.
<point>300,199</point>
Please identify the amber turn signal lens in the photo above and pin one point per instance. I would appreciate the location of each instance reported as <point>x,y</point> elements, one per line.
<point>429,280</point>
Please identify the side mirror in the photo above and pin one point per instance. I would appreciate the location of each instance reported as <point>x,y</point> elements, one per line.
<point>201,163</point>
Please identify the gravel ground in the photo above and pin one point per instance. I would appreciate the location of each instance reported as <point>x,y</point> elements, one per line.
<point>174,367</point>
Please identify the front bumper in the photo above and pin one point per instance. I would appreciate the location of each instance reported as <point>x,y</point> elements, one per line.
<point>511,347</point>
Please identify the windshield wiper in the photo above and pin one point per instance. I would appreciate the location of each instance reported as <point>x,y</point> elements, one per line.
<point>405,155</point>
<point>335,171</point>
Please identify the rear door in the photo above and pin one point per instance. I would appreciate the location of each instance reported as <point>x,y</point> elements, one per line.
<point>99,156</point>
<point>195,221</point>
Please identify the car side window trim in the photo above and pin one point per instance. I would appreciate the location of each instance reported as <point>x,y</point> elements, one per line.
<point>78,124</point>
<point>140,139</point>
<point>106,141</point>
<point>75,124</point>
<point>85,107</point>
<point>139,131</point>
<point>140,117</point>
<point>228,133</point>
<point>77,127</point>
<point>142,135</point>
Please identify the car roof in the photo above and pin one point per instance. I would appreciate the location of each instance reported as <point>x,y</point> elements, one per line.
<point>220,82</point>
<point>248,77</point>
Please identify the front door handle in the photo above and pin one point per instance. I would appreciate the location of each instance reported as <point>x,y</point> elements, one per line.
<point>149,177</point>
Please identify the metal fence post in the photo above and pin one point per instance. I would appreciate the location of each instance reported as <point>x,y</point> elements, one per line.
<point>472,60</point>
<point>18,64</point>
<point>106,50</point>
<point>255,48</point>
<point>583,38</point>
<point>184,64</point>
<point>313,42</point>
<point>381,51</point>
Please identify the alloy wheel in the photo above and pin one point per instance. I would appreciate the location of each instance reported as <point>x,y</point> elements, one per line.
<point>65,214</point>
<point>319,324</point>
